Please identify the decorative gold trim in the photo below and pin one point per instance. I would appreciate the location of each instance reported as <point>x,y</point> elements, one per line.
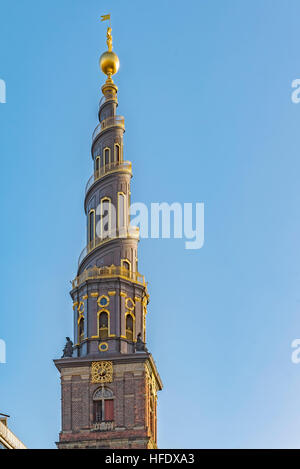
<point>75,304</point>
<point>101,345</point>
<point>112,293</point>
<point>105,199</point>
<point>128,261</point>
<point>123,294</point>
<point>124,167</point>
<point>130,313</point>
<point>109,155</point>
<point>103,310</point>
<point>80,310</point>
<point>94,295</point>
<point>85,297</point>
<point>109,272</point>
<point>108,319</point>
<point>102,372</point>
<point>124,211</point>
<point>99,301</point>
<point>128,300</point>
<point>92,211</point>
<point>115,153</point>
<point>96,160</point>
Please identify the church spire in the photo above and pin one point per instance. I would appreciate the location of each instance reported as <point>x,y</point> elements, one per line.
<point>109,379</point>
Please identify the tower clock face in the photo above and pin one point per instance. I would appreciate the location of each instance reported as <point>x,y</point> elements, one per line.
<point>102,372</point>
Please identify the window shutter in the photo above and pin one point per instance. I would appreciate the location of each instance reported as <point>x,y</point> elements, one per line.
<point>109,409</point>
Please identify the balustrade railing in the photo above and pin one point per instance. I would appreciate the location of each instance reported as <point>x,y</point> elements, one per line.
<point>112,121</point>
<point>131,232</point>
<point>112,97</point>
<point>108,272</point>
<point>103,426</point>
<point>107,169</point>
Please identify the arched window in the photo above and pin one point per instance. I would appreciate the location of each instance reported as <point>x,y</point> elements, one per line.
<point>81,330</point>
<point>106,156</point>
<point>103,405</point>
<point>121,210</point>
<point>103,325</point>
<point>105,217</point>
<point>126,264</point>
<point>97,165</point>
<point>117,153</point>
<point>129,327</point>
<point>91,229</point>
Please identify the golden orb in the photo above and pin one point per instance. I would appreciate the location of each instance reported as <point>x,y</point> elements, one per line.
<point>109,63</point>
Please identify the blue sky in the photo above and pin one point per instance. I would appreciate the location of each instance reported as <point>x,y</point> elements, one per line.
<point>205,88</point>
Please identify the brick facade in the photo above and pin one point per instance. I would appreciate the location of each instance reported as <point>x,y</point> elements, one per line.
<point>131,427</point>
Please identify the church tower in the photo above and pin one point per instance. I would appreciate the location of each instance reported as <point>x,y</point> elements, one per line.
<point>109,380</point>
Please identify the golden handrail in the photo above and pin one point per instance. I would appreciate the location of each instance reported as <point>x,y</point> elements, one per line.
<point>131,232</point>
<point>112,121</point>
<point>107,169</point>
<point>108,272</point>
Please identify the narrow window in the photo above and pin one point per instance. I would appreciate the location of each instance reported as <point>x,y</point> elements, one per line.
<point>103,325</point>
<point>126,265</point>
<point>91,225</point>
<point>97,167</point>
<point>117,153</point>
<point>106,156</point>
<point>81,330</point>
<point>121,210</point>
<point>129,327</point>
<point>105,217</point>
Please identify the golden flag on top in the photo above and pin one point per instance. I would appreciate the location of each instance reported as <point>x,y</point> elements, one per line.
<point>105,17</point>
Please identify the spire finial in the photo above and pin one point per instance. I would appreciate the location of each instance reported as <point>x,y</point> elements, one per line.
<point>109,61</point>
<point>109,39</point>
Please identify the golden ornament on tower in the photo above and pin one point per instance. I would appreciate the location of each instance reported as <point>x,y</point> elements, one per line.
<point>109,61</point>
